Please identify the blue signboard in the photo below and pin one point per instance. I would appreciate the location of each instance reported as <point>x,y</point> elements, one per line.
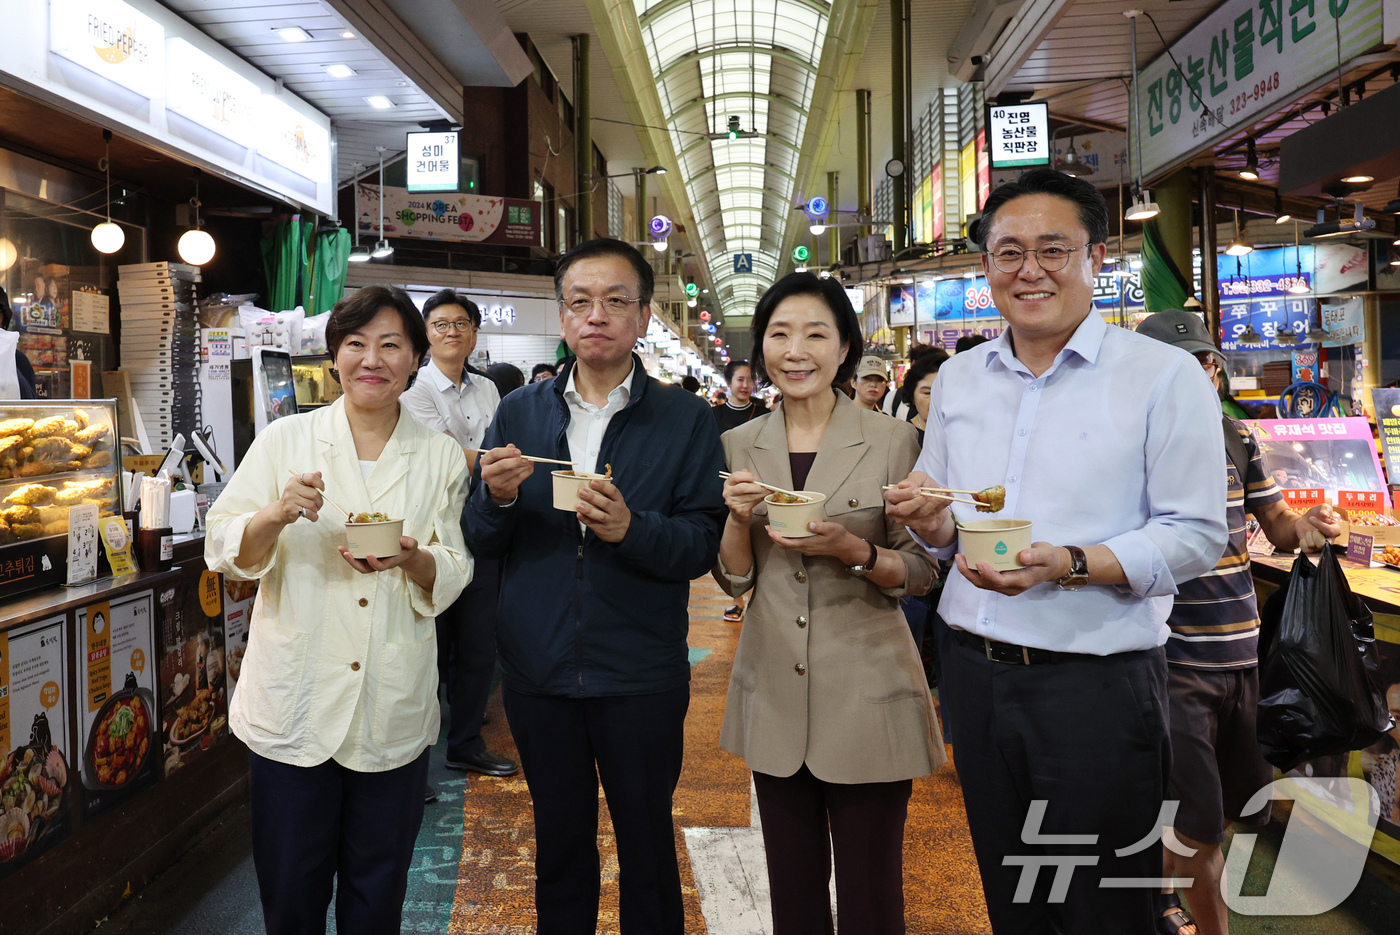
<point>1263,273</point>
<point>743,262</point>
<point>1268,317</point>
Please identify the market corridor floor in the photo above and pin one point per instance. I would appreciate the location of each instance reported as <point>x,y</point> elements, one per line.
<point>472,874</point>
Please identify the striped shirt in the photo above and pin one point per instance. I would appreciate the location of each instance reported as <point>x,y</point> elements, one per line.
<point>1215,620</point>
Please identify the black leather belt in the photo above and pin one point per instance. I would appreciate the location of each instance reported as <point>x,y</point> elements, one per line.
<point>1010,653</point>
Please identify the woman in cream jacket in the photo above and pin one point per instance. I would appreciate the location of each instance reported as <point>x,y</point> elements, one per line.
<point>337,698</point>
<point>827,702</point>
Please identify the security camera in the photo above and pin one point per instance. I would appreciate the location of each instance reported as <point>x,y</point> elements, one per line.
<point>977,60</point>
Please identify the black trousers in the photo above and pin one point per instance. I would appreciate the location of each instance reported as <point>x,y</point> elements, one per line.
<point>466,634</point>
<point>1087,740</point>
<point>634,744</point>
<point>805,821</point>
<point>318,825</point>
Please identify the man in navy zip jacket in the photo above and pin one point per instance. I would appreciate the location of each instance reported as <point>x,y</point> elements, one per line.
<point>593,609</point>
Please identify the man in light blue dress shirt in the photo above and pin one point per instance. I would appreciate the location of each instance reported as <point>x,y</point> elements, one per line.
<point>1109,443</point>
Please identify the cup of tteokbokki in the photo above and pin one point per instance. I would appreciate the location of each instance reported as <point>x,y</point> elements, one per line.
<point>569,484</point>
<point>997,542</point>
<point>373,534</point>
<point>789,513</point>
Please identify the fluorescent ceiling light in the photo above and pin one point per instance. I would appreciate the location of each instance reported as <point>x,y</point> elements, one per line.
<point>379,102</point>
<point>1358,179</point>
<point>340,70</point>
<point>347,35</point>
<point>294,34</point>
<point>382,249</point>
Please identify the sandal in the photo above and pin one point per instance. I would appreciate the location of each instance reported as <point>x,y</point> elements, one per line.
<point>1172,919</point>
<point>734,614</point>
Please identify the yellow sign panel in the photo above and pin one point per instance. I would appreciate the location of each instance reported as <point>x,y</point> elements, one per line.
<point>98,632</point>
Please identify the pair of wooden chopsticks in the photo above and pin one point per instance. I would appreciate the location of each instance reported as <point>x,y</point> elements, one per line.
<point>944,494</point>
<point>482,451</point>
<point>325,496</point>
<point>791,493</point>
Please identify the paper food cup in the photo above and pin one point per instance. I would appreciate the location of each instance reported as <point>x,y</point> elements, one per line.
<point>567,485</point>
<point>994,541</point>
<point>791,519</point>
<point>378,539</point>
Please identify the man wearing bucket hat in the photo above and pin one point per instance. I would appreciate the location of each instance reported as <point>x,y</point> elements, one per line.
<point>871,382</point>
<point>1108,443</point>
<point>1213,662</point>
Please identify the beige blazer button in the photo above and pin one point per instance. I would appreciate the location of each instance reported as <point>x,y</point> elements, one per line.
<point>354,667</point>
<point>800,575</point>
<point>800,669</point>
<point>853,502</point>
<point>801,621</point>
<point>364,602</point>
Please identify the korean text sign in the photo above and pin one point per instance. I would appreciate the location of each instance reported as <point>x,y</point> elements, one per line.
<point>1330,455</point>
<point>1245,59</point>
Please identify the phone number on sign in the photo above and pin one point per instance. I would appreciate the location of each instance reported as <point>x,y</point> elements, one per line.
<point>1261,90</point>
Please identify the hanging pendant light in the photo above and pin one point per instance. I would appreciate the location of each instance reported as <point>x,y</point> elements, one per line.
<point>1240,246</point>
<point>381,249</point>
<point>1251,163</point>
<point>196,247</point>
<point>107,237</point>
<point>359,254</point>
<point>1249,337</point>
<point>1143,207</point>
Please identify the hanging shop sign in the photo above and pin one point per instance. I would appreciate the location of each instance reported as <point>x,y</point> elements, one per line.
<point>432,162</point>
<point>210,93</point>
<point>1018,135</point>
<point>452,217</point>
<point>137,67</point>
<point>1245,59</point>
<point>938,300</point>
<point>109,38</point>
<point>1344,322</point>
<point>1385,401</point>
<point>1328,454</point>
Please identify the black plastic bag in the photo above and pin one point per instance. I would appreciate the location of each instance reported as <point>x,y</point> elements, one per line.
<point>1318,690</point>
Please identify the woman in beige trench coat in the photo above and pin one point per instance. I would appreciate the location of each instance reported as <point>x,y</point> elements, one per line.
<point>827,703</point>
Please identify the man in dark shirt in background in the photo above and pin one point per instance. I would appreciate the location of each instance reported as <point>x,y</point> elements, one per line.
<point>1213,661</point>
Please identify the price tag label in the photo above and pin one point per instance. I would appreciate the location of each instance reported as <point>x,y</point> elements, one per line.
<point>1366,501</point>
<point>1304,498</point>
<point>1359,547</point>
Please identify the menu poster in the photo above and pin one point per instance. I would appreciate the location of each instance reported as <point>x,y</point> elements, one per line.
<point>34,774</point>
<point>238,608</point>
<point>116,725</point>
<point>194,709</point>
<point>1332,455</point>
<point>1386,403</point>
<point>90,312</point>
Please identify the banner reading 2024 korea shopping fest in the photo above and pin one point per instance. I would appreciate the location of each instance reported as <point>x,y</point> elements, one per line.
<point>449,216</point>
<point>1247,58</point>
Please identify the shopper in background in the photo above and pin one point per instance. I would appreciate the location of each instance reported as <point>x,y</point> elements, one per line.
<point>1110,444</point>
<point>872,380</point>
<point>541,372</point>
<point>449,396</point>
<point>832,713</point>
<point>338,693</point>
<point>968,341</point>
<point>918,387</point>
<point>732,413</point>
<point>16,372</point>
<point>897,403</point>
<point>1213,661</point>
<point>594,600</point>
<point>690,384</point>
<point>507,378</point>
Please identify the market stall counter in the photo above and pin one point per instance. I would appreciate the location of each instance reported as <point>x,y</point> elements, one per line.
<point>1378,764</point>
<point>114,736</point>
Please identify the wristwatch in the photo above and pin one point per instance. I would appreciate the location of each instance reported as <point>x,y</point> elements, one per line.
<point>1078,575</point>
<point>860,571</point>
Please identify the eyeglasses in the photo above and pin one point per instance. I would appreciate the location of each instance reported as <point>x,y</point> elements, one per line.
<point>1052,257</point>
<point>1208,363</point>
<point>461,327</point>
<point>582,305</point>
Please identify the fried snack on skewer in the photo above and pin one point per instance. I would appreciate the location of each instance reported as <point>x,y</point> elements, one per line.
<point>991,500</point>
<point>81,417</point>
<point>54,426</point>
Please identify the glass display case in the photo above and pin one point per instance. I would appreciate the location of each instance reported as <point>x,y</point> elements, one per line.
<point>315,383</point>
<point>54,455</point>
